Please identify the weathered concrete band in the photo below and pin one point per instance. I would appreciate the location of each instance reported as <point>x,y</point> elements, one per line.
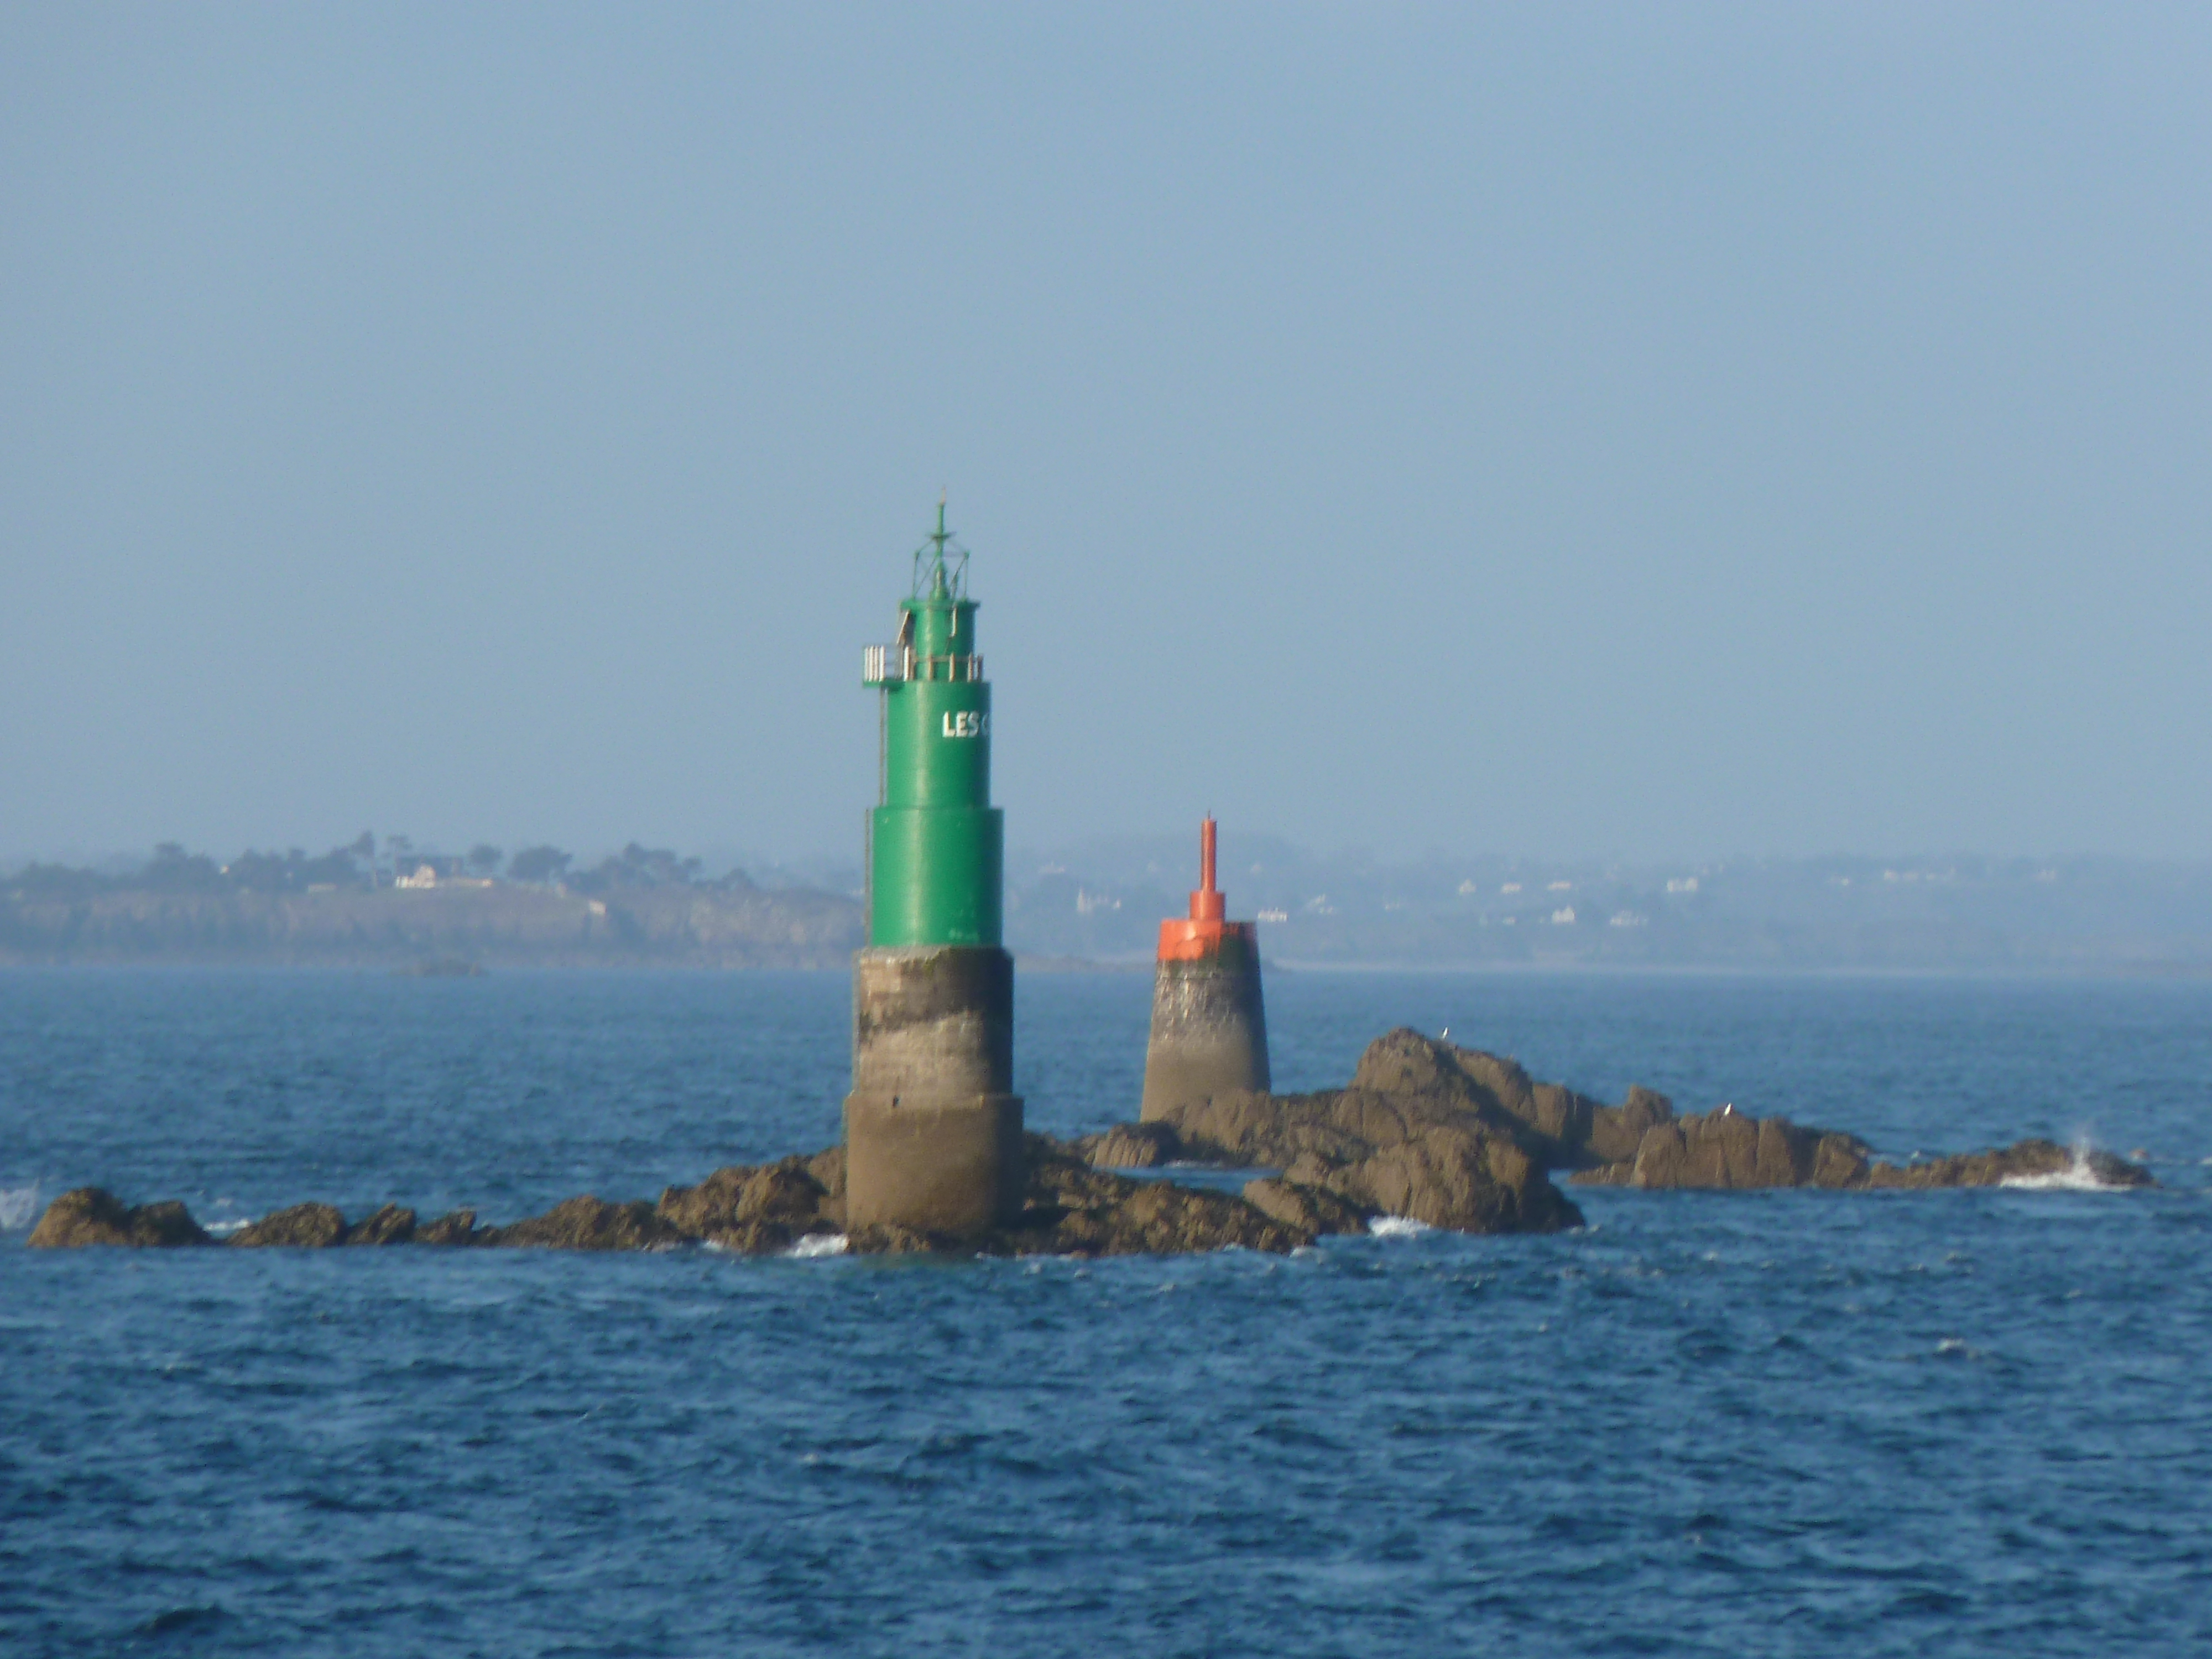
<point>933,1127</point>
<point>935,1019</point>
<point>934,1166</point>
<point>1209,1025</point>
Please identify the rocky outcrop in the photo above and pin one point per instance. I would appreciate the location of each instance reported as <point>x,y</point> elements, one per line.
<point>304,1226</point>
<point>1132,1147</point>
<point>1069,1208</point>
<point>760,1210</point>
<point>1469,1181</point>
<point>1309,1209</point>
<point>1444,1135</point>
<point>1732,1151</point>
<point>1072,1208</point>
<point>322,1226</point>
<point>1561,1129</point>
<point>92,1215</point>
<point>456,1227</point>
<point>1449,1136</point>
<point>1462,1139</point>
<point>2027,1160</point>
<point>1729,1152</point>
<point>586,1222</point>
<point>390,1226</point>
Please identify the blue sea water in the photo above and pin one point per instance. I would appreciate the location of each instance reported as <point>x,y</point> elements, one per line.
<point>1707,1423</point>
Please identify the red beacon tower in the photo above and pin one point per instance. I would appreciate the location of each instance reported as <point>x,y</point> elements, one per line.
<point>1209,1018</point>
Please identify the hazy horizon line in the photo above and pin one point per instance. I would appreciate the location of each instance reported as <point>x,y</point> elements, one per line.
<point>726,856</point>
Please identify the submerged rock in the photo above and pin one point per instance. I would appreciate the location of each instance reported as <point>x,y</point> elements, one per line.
<point>2025,1161</point>
<point>92,1215</point>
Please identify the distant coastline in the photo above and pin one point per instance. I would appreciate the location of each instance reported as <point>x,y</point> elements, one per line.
<point>387,905</point>
<point>354,908</point>
<point>495,927</point>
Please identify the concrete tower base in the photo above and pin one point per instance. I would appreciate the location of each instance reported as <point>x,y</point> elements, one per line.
<point>933,1129</point>
<point>1209,1024</point>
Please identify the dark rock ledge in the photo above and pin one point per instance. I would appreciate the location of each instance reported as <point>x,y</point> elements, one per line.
<point>1071,1209</point>
<point>1729,1153</point>
<point>1462,1139</point>
<point>1449,1136</point>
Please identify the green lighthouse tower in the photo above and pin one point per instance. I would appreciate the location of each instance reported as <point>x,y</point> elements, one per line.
<point>936,845</point>
<point>933,1129</point>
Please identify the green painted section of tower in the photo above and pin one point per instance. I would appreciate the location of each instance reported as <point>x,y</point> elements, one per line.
<point>936,845</point>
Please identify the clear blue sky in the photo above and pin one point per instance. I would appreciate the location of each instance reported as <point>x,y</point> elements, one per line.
<point>1633,430</point>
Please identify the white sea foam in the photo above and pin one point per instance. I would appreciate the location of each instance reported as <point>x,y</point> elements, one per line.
<point>815,1244</point>
<point>2078,1176</point>
<point>1397,1226</point>
<point>19,1206</point>
<point>225,1228</point>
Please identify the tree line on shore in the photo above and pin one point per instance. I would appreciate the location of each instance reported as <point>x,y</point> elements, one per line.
<point>367,864</point>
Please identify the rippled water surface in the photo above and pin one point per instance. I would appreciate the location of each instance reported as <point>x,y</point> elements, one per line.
<point>1781,1423</point>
